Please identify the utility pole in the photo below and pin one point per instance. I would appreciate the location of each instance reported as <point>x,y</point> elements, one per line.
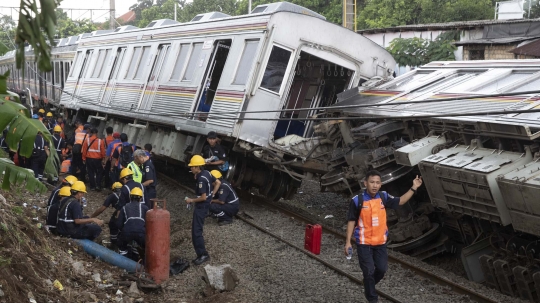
<point>175,5</point>
<point>112,11</point>
<point>249,7</point>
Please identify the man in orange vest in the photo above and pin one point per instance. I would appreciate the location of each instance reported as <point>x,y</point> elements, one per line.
<point>367,219</point>
<point>93,156</point>
<point>78,168</point>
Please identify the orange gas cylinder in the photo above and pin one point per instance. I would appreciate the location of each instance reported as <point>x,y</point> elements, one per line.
<point>158,235</point>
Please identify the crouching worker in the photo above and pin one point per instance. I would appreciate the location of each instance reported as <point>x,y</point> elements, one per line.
<point>52,211</point>
<point>71,222</point>
<point>132,225</point>
<point>225,205</point>
<point>112,201</point>
<point>54,198</point>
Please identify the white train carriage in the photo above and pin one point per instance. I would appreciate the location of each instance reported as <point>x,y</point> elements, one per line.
<point>191,76</point>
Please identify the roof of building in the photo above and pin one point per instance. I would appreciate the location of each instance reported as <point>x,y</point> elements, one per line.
<point>445,26</point>
<point>127,17</point>
<point>529,49</point>
<point>504,40</point>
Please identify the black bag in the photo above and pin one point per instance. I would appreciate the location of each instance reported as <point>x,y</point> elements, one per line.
<point>126,155</point>
<point>178,267</point>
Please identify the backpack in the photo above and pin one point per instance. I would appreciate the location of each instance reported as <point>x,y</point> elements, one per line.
<point>126,155</point>
<point>382,194</point>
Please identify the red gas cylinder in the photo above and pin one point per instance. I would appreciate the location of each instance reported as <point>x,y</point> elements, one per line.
<point>158,236</point>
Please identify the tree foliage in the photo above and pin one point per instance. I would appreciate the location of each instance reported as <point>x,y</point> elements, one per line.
<point>388,13</point>
<point>417,51</point>
<point>67,27</point>
<point>7,34</point>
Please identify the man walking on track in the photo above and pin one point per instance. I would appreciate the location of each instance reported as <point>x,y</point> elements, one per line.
<point>367,219</point>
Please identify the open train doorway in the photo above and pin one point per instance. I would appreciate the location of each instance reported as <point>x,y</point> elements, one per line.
<point>316,83</point>
<point>212,76</point>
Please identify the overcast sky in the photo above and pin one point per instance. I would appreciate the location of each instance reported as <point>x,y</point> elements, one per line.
<point>83,6</point>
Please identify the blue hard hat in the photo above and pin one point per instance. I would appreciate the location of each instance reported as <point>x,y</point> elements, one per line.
<point>35,116</point>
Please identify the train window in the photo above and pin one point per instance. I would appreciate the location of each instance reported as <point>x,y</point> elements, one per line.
<point>56,72</point>
<point>180,62</point>
<point>495,85</point>
<point>143,62</point>
<point>165,51</point>
<point>527,86</point>
<point>193,61</point>
<point>99,64</point>
<point>407,82</point>
<point>246,62</point>
<point>66,70</point>
<point>133,63</point>
<point>275,69</point>
<point>77,59</point>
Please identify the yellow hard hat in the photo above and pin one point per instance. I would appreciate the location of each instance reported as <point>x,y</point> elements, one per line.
<point>216,173</point>
<point>65,191</point>
<point>125,172</point>
<point>136,192</point>
<point>70,179</point>
<point>41,110</point>
<point>79,186</point>
<point>116,185</point>
<point>49,114</point>
<point>196,161</point>
<point>57,128</point>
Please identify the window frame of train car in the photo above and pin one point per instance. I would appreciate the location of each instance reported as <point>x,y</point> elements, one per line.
<point>287,72</point>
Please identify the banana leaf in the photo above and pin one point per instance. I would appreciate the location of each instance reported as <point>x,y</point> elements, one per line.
<point>14,175</point>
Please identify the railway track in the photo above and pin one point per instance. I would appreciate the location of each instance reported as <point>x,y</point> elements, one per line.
<point>288,212</point>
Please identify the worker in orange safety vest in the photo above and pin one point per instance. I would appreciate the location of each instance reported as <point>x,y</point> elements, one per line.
<point>93,155</point>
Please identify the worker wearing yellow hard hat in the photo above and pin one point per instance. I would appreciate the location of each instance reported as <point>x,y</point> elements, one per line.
<point>225,204</point>
<point>131,223</point>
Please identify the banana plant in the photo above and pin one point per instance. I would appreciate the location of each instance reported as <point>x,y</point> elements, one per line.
<point>21,136</point>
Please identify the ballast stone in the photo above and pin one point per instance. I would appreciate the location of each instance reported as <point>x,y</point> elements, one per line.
<point>222,278</point>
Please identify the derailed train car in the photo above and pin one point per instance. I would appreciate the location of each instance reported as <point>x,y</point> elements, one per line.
<point>170,84</point>
<point>471,130</point>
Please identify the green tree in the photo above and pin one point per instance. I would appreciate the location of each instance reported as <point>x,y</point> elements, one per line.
<point>138,8</point>
<point>67,27</point>
<point>331,9</point>
<point>156,12</point>
<point>7,34</point>
<point>417,51</point>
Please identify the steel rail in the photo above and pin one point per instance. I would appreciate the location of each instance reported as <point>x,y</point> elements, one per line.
<point>405,264</point>
<point>301,249</point>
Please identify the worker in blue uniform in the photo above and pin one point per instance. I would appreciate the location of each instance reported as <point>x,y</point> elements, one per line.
<point>54,198</point>
<point>149,176</point>
<point>52,211</point>
<point>126,178</point>
<point>214,154</point>
<point>71,222</point>
<point>39,156</point>
<point>226,203</point>
<point>132,225</point>
<point>205,187</point>
<point>111,201</point>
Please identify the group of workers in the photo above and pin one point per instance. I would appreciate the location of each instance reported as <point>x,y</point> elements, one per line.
<point>132,191</point>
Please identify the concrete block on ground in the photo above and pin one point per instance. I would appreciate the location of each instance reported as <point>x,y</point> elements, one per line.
<point>222,278</point>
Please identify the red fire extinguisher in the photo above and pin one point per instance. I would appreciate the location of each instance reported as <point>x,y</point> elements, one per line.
<point>158,234</point>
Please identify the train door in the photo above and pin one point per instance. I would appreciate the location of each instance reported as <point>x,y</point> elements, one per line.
<point>210,81</point>
<point>153,78</point>
<point>316,83</point>
<point>114,74</point>
<point>80,77</point>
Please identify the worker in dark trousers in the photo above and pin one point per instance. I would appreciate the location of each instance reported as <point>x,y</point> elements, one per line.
<point>225,204</point>
<point>106,171</point>
<point>132,225</point>
<point>93,155</point>
<point>367,219</point>
<point>52,211</point>
<point>39,156</point>
<point>111,201</point>
<point>205,187</point>
<point>149,176</point>
<point>214,154</point>
<point>59,145</point>
<point>71,222</point>
<point>54,198</point>
<point>78,168</point>
<point>126,178</point>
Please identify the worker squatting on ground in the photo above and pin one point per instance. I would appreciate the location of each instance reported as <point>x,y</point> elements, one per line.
<point>52,211</point>
<point>367,218</point>
<point>111,201</point>
<point>131,223</point>
<point>71,222</point>
<point>225,204</point>
<point>149,176</point>
<point>206,186</point>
